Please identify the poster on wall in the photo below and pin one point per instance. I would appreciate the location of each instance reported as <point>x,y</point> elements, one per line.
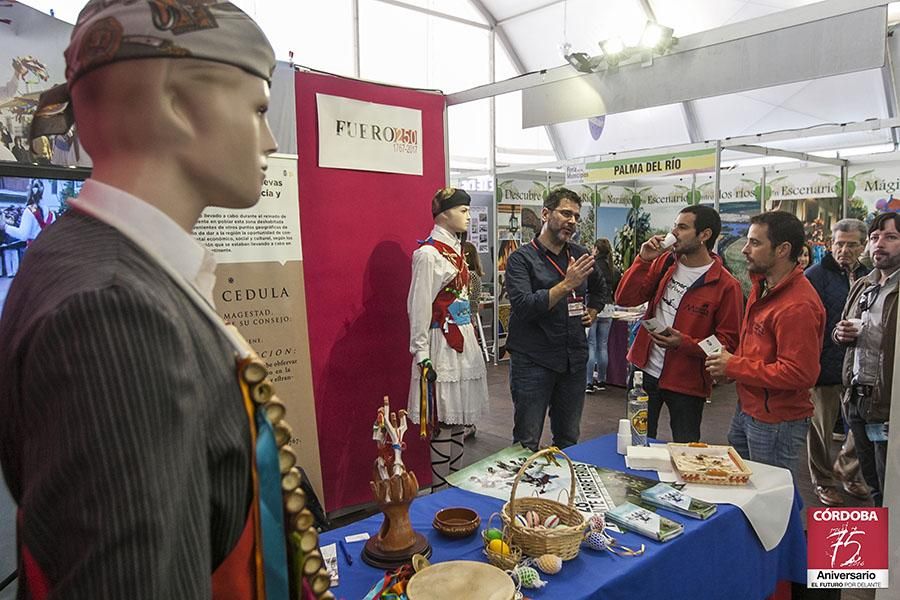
<point>259,289</point>
<point>31,62</point>
<point>21,200</point>
<point>478,228</point>
<point>366,136</point>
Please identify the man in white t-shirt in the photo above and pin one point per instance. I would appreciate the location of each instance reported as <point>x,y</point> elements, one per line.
<point>691,297</point>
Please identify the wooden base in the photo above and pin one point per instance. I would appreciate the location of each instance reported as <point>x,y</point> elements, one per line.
<point>382,559</point>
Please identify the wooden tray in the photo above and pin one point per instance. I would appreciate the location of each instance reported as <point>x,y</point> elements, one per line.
<point>723,465</point>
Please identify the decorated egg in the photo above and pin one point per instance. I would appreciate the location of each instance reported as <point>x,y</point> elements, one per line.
<point>498,547</point>
<point>521,520</point>
<point>595,541</point>
<point>529,578</point>
<point>532,518</point>
<point>493,534</point>
<point>549,564</point>
<point>597,523</point>
<point>551,522</point>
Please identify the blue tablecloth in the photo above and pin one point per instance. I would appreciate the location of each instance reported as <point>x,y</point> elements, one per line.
<point>717,558</point>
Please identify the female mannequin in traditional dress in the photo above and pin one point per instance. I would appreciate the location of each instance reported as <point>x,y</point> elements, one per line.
<point>442,338</point>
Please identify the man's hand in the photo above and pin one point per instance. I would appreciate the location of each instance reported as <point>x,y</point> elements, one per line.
<point>589,316</point>
<point>716,364</point>
<point>652,248</point>
<point>846,331</point>
<point>578,271</point>
<point>668,338</point>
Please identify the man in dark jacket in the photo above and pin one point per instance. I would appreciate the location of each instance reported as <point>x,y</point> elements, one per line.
<point>555,293</point>
<point>832,278</point>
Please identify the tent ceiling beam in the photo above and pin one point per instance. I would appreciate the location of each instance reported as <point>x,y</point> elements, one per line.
<point>500,35</point>
<point>889,79</point>
<point>816,131</point>
<point>435,13</point>
<point>530,10</point>
<point>691,122</point>
<point>766,151</point>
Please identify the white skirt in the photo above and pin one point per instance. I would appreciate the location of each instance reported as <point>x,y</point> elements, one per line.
<point>461,387</point>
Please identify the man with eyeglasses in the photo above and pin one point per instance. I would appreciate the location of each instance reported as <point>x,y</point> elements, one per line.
<point>555,293</point>
<point>832,278</point>
<point>868,330</point>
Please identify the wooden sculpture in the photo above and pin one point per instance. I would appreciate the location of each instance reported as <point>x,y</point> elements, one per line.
<point>394,488</point>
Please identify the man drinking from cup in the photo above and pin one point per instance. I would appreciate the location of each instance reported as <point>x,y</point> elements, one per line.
<point>867,327</point>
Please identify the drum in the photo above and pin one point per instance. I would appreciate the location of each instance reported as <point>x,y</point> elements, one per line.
<point>457,579</point>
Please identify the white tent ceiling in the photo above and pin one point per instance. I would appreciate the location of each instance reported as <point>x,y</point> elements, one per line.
<point>532,32</point>
<point>535,30</point>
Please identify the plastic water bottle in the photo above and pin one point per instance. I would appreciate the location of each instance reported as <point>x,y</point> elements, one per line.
<point>637,410</point>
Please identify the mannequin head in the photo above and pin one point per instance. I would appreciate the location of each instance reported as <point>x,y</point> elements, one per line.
<point>170,102</point>
<point>450,208</point>
<point>195,125</point>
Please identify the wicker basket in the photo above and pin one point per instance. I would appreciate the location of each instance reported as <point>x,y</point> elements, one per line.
<point>565,540</point>
<point>501,561</point>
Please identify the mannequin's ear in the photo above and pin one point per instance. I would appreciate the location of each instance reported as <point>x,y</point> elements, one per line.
<point>182,98</point>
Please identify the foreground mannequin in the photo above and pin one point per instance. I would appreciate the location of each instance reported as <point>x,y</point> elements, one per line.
<point>124,436</point>
<point>442,338</point>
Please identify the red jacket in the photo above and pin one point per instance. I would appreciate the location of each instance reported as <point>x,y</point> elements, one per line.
<point>711,306</point>
<point>777,360</point>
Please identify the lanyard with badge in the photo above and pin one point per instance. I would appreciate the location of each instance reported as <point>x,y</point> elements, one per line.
<point>575,302</point>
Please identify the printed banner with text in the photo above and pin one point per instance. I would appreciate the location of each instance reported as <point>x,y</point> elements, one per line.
<point>676,163</point>
<point>366,136</point>
<point>259,288</point>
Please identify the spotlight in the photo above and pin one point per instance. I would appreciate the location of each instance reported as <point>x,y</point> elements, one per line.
<point>655,36</point>
<point>612,47</point>
<point>582,62</point>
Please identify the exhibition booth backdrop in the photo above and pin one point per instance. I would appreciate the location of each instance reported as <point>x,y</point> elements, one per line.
<point>360,228</point>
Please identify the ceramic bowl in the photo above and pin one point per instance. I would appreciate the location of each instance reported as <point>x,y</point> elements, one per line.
<point>456,522</point>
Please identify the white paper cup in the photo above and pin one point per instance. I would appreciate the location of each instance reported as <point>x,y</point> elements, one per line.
<point>624,427</point>
<point>669,241</point>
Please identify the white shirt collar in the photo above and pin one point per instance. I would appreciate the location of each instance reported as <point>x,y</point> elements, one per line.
<point>152,229</point>
<point>449,238</point>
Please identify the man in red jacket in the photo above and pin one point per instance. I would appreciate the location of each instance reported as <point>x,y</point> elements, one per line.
<point>693,297</point>
<point>777,360</point>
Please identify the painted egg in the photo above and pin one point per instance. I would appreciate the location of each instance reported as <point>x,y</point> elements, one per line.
<point>498,547</point>
<point>595,541</point>
<point>597,523</point>
<point>529,578</point>
<point>549,564</point>
<point>521,520</point>
<point>532,518</point>
<point>493,534</point>
<point>551,522</point>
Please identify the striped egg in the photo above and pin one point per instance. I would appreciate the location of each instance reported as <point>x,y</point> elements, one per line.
<point>595,541</point>
<point>549,564</point>
<point>521,520</point>
<point>532,518</point>
<point>551,522</point>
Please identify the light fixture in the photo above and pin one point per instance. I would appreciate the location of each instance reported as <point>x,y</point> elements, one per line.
<point>612,47</point>
<point>582,62</point>
<point>656,40</point>
<point>656,36</point>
